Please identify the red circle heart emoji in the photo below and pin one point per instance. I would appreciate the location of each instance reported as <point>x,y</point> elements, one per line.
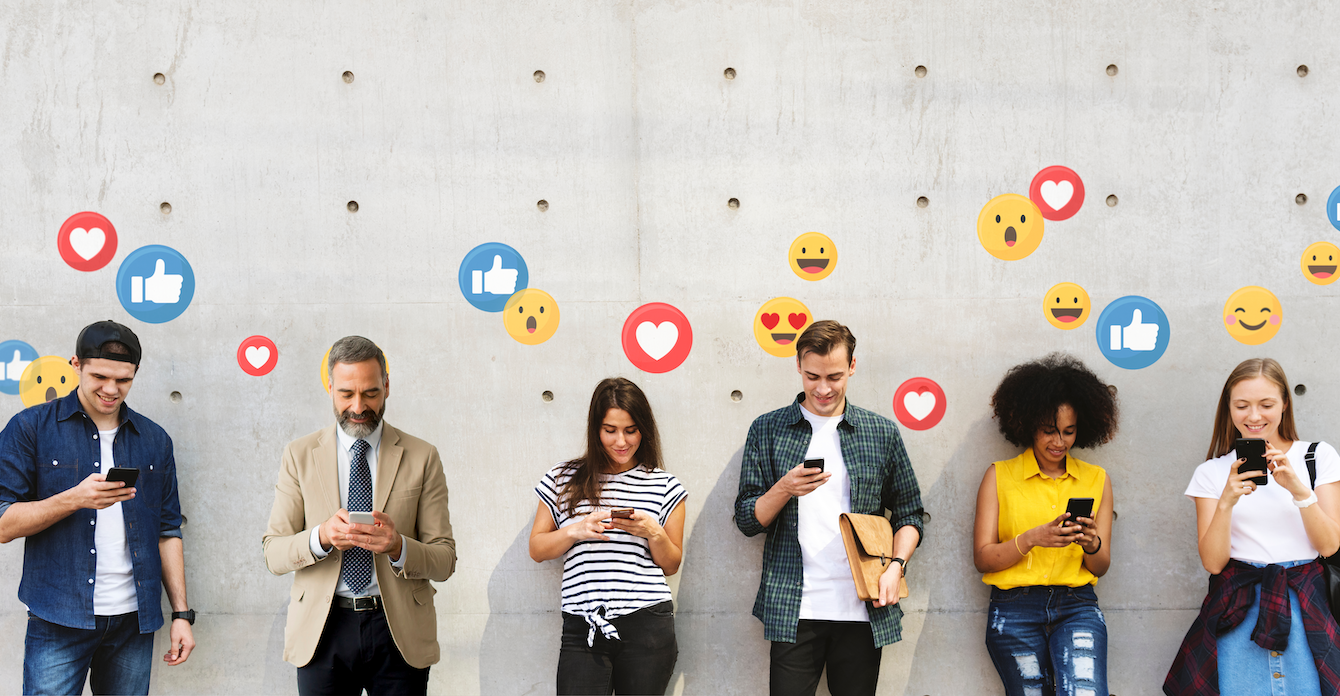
<point>770,320</point>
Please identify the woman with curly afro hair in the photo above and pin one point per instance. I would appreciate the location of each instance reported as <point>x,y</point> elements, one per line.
<point>1045,632</point>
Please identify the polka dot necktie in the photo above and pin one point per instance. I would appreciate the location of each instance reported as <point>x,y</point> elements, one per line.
<point>356,568</point>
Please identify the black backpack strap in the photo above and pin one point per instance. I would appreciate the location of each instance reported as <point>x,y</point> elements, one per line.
<point>1312,464</point>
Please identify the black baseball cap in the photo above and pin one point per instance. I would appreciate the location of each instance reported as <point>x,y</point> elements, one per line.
<point>96,335</point>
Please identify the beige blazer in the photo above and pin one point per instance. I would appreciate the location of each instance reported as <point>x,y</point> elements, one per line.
<point>411,488</point>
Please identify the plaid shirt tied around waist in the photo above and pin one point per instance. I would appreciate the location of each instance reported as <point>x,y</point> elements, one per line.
<point>1195,671</point>
<point>881,478</point>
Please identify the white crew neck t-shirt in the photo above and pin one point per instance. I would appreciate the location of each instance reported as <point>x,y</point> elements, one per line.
<point>114,582</point>
<point>828,592</point>
<point>1267,527</point>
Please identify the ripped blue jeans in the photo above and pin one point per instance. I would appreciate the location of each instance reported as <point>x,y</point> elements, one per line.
<point>1048,640</point>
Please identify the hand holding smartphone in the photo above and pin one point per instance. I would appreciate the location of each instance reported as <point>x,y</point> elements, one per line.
<point>126,475</point>
<point>815,464</point>
<point>1253,449</point>
<point>1079,507</point>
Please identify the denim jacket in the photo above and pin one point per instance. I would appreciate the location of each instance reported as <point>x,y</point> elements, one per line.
<point>50,448</point>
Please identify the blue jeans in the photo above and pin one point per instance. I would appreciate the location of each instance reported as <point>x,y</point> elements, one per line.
<point>1046,640</point>
<point>58,659</point>
<point>1247,668</point>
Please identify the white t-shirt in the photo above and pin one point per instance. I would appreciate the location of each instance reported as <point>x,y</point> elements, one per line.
<point>1267,527</point>
<point>114,585</point>
<point>828,592</point>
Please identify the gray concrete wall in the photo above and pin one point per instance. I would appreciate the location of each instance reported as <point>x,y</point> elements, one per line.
<point>1206,134</point>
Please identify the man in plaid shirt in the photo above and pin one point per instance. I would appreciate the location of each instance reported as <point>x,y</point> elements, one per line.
<point>803,466</point>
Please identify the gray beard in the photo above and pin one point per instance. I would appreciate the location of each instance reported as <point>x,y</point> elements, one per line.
<point>358,431</point>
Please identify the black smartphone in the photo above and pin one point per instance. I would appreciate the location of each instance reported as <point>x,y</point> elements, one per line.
<point>622,513</point>
<point>1079,507</point>
<point>130,476</point>
<point>1253,449</point>
<point>815,464</point>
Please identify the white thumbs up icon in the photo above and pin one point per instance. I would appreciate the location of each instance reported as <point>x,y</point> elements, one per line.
<point>159,288</point>
<point>13,369</point>
<point>495,281</point>
<point>1137,336</point>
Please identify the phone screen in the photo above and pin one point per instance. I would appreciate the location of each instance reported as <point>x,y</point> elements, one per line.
<point>130,476</point>
<point>1253,449</point>
<point>1079,507</point>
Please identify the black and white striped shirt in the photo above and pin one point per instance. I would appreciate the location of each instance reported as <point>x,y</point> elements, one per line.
<point>618,575</point>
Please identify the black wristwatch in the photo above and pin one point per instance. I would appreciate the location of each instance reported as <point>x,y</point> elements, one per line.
<point>189,615</point>
<point>901,562</point>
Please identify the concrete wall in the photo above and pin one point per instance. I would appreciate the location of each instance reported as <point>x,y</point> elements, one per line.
<point>636,140</point>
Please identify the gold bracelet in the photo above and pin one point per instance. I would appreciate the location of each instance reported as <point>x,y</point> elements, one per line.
<point>1016,547</point>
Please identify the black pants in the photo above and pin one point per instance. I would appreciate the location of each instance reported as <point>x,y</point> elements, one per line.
<point>640,662</point>
<point>846,647</point>
<point>357,652</point>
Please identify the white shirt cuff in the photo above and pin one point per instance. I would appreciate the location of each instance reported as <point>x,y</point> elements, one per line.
<point>400,563</point>
<point>315,544</point>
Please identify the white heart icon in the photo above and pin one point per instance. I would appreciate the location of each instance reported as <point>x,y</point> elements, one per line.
<point>655,340</point>
<point>1057,195</point>
<point>258,355</point>
<point>919,405</point>
<point>87,243</point>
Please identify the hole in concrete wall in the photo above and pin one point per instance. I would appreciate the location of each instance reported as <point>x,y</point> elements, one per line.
<point>923,201</point>
<point>352,206</point>
<point>1112,70</point>
<point>733,203</point>
<point>1111,201</point>
<point>175,397</point>
<point>736,395</point>
<point>159,78</point>
<point>920,71</point>
<point>1300,198</point>
<point>1302,71</point>
<point>165,207</point>
<point>543,205</point>
<point>539,76</point>
<point>546,396</point>
<point>1300,389</point>
<point>730,73</point>
<point>348,76</point>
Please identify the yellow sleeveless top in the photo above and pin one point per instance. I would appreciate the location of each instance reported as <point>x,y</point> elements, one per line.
<point>1028,498</point>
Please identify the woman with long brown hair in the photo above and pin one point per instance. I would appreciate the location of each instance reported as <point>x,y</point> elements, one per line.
<point>617,518</point>
<point>1266,626</point>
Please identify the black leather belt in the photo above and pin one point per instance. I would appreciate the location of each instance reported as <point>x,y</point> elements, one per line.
<point>359,603</point>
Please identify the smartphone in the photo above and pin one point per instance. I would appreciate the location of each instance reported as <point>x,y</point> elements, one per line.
<point>622,513</point>
<point>362,518</point>
<point>1079,507</point>
<point>1253,449</point>
<point>815,464</point>
<point>130,476</point>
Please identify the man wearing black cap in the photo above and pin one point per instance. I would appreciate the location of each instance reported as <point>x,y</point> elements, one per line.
<point>96,550</point>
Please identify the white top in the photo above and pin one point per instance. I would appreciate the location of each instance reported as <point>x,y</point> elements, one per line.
<point>343,455</point>
<point>618,574</point>
<point>1267,527</point>
<point>114,586</point>
<point>828,593</point>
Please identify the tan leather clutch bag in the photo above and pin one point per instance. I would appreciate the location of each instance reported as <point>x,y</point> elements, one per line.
<point>869,543</point>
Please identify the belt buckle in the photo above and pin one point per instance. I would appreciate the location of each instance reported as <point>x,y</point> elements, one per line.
<point>365,603</point>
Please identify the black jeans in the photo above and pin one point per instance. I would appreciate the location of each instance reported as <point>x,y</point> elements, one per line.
<point>846,647</point>
<point>640,662</point>
<point>357,652</point>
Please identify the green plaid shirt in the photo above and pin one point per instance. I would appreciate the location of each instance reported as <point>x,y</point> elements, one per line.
<point>881,478</point>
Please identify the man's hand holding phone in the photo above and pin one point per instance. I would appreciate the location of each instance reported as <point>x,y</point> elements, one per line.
<point>335,531</point>
<point>95,492</point>
<point>377,535</point>
<point>802,480</point>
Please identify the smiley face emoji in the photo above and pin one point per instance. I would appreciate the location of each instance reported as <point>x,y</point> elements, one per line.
<point>48,378</point>
<point>531,316</point>
<point>778,323</point>
<point>1319,263</point>
<point>1253,315</point>
<point>1010,227</point>
<point>812,256</point>
<point>1066,306</point>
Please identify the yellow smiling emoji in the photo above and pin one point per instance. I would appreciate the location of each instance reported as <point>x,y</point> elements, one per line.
<point>1319,263</point>
<point>1253,315</point>
<point>531,316</point>
<point>48,378</point>
<point>1010,227</point>
<point>812,256</point>
<point>1066,306</point>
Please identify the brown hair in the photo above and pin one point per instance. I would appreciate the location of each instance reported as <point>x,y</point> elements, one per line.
<point>1224,430</point>
<point>584,484</point>
<point>822,337</point>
